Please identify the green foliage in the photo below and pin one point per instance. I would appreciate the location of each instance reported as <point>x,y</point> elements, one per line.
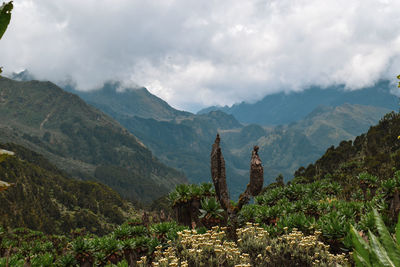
<point>81,140</point>
<point>321,205</point>
<point>379,251</point>
<point>210,208</point>
<point>61,203</point>
<point>166,230</point>
<point>5,16</point>
<point>184,193</point>
<point>129,242</point>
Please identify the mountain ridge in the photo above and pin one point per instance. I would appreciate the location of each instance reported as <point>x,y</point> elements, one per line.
<point>79,139</point>
<point>184,142</point>
<point>282,108</point>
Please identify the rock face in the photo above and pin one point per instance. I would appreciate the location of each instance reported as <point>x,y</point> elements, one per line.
<point>218,174</point>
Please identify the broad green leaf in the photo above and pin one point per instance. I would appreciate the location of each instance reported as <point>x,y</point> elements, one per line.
<point>361,247</point>
<point>5,17</point>
<point>386,239</point>
<point>360,261</point>
<point>379,251</point>
<point>398,231</point>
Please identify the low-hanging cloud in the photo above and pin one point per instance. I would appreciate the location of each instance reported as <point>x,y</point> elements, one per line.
<point>196,53</point>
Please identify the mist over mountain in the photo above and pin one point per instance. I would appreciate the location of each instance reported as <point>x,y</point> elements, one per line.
<point>130,101</point>
<point>283,148</point>
<point>184,141</point>
<point>282,108</point>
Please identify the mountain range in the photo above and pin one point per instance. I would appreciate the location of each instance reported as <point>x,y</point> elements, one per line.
<point>183,140</point>
<point>81,140</point>
<point>284,108</point>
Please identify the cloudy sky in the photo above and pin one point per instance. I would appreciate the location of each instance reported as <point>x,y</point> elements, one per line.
<point>197,53</point>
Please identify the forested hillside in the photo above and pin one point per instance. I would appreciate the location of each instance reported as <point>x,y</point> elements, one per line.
<point>43,198</point>
<point>81,140</point>
<point>376,152</point>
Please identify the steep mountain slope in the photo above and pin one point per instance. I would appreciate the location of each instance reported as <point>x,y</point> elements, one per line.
<point>284,108</point>
<point>44,199</point>
<point>130,101</point>
<point>377,152</point>
<point>283,149</point>
<point>80,139</point>
<point>184,142</point>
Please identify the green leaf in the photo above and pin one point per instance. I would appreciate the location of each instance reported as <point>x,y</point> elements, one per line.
<point>361,247</point>
<point>360,261</point>
<point>390,246</point>
<point>398,231</point>
<point>5,17</point>
<point>379,251</point>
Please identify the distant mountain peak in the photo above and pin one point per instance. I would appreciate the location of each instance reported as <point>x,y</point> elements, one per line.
<point>24,75</point>
<point>113,98</point>
<point>282,108</point>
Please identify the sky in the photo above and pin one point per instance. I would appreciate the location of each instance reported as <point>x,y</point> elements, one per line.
<point>195,53</point>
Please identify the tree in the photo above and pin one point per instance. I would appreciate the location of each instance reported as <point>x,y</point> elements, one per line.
<point>5,17</point>
<point>219,179</point>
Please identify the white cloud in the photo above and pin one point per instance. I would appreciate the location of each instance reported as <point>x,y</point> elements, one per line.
<point>196,53</point>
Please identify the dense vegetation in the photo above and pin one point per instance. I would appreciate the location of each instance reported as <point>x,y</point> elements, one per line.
<point>44,199</point>
<point>81,140</point>
<point>125,244</point>
<point>318,218</point>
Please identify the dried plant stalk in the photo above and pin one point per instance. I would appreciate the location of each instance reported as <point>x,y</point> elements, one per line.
<point>218,174</point>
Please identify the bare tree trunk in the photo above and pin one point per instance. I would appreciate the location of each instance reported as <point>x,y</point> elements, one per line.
<point>395,204</point>
<point>256,179</point>
<point>218,175</point>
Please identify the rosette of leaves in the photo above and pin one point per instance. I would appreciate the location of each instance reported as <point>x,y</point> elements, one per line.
<point>368,183</point>
<point>14,260</point>
<point>207,189</point>
<point>334,227</point>
<point>83,251</point>
<point>381,250</point>
<point>195,192</point>
<point>123,232</point>
<point>211,212</point>
<point>181,194</point>
<point>165,231</point>
<point>143,246</point>
<point>66,260</point>
<point>43,260</point>
<point>108,250</point>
